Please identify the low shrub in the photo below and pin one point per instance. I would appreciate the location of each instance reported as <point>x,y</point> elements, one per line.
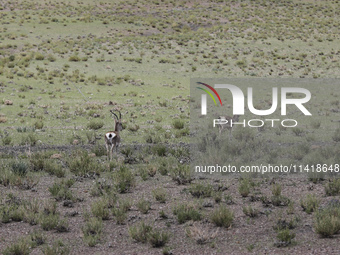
<point>186,212</point>
<point>222,217</point>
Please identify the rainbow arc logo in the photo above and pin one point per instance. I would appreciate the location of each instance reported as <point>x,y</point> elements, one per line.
<point>204,97</point>
<point>209,93</point>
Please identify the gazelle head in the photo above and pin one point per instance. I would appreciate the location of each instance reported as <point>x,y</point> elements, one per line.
<point>118,121</point>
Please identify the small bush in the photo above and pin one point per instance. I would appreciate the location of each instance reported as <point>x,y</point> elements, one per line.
<point>144,206</point>
<point>37,161</point>
<point>127,151</point>
<point>316,177</point>
<point>244,187</point>
<point>277,199</point>
<point>276,190</point>
<point>62,226</point>
<point>178,124</point>
<point>39,56</point>
<point>20,247</point>
<point>284,237</point>
<point>57,248</point>
<point>160,195</point>
<point>315,123</point>
<point>38,124</point>
<point>336,135</point>
<point>158,238</point>
<point>241,63</point>
<point>95,125</point>
<point>140,232</point>
<point>200,190</point>
<point>6,140</point>
<point>153,138</point>
<point>74,58</point>
<point>310,203</point>
<point>19,168</point>
<point>159,150</point>
<point>51,58</point>
<point>50,207</point>
<point>133,128</point>
<point>61,190</point>
<point>282,224</point>
<point>333,188</point>
<point>99,150</point>
<point>53,168</point>
<point>143,173</point>
<point>3,119</point>
<point>181,174</point>
<point>164,165</point>
<point>17,213</point>
<point>186,212</point>
<point>200,235</point>
<point>217,196</point>
<point>124,179</point>
<point>222,217</point>
<point>125,204</point>
<point>100,209</point>
<point>280,200</point>
<point>92,231</point>
<point>83,165</point>
<point>49,221</point>
<point>151,170</point>
<point>250,211</point>
<point>99,188</point>
<point>30,140</point>
<point>37,238</point>
<point>298,131</point>
<point>120,214</point>
<point>327,221</point>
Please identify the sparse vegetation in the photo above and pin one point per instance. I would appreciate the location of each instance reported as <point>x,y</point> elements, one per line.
<point>284,237</point>
<point>185,212</point>
<point>92,231</point>
<point>144,206</point>
<point>160,195</point>
<point>65,65</point>
<point>333,188</point>
<point>124,179</point>
<point>327,220</point>
<point>222,217</point>
<point>200,190</point>
<point>310,203</point>
<point>244,187</point>
<point>140,232</point>
<point>20,247</point>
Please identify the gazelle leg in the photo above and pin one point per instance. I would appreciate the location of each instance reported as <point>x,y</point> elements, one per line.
<point>107,151</point>
<point>113,146</point>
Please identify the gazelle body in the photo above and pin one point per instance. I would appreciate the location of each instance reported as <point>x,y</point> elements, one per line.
<point>112,138</point>
<point>229,123</point>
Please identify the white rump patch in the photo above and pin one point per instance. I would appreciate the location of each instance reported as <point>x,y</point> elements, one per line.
<point>110,135</point>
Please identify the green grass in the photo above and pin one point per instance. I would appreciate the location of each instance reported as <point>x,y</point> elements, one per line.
<point>44,61</point>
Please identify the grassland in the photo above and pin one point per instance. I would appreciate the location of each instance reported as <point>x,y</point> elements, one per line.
<point>65,64</point>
